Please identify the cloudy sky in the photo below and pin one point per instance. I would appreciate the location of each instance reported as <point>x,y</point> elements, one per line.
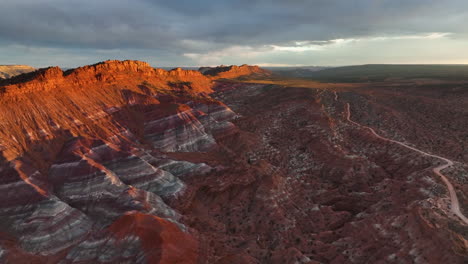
<point>71,33</point>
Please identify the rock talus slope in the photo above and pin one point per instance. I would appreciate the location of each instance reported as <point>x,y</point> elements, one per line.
<point>120,162</point>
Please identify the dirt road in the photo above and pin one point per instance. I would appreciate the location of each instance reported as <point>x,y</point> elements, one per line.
<point>455,205</point>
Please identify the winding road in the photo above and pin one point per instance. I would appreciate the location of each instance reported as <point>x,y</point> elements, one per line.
<point>455,205</point>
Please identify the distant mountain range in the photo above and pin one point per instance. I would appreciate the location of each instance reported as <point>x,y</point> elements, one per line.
<point>8,71</point>
<point>377,72</point>
<point>296,72</point>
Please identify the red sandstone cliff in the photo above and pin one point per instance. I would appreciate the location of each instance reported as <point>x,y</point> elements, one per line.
<point>52,98</point>
<point>105,73</point>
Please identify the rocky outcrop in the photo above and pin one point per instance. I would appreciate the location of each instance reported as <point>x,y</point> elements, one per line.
<point>110,72</point>
<point>181,132</point>
<point>8,71</point>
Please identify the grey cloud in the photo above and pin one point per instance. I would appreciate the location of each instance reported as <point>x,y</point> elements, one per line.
<point>184,26</point>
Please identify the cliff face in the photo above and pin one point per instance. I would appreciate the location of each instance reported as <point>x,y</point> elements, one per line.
<point>119,162</point>
<point>8,71</point>
<point>104,73</point>
<point>63,101</point>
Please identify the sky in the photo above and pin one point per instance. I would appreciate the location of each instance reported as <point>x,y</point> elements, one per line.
<point>166,33</point>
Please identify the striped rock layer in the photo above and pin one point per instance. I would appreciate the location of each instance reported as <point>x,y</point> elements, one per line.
<point>86,169</point>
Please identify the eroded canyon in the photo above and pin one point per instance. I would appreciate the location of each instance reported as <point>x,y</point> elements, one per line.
<point>119,162</point>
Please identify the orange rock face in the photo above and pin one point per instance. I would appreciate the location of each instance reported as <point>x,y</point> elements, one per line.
<point>105,73</point>
<point>52,98</point>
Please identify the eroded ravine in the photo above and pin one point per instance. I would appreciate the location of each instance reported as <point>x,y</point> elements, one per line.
<point>455,205</point>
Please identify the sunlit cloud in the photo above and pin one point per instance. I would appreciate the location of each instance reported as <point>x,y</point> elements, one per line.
<point>216,57</point>
<point>297,48</point>
<point>434,35</point>
<point>411,48</point>
<point>313,45</point>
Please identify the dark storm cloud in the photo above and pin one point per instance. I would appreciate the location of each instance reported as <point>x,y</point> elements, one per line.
<point>186,26</point>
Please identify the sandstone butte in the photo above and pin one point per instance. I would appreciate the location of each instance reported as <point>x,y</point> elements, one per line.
<point>40,101</point>
<point>119,162</point>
